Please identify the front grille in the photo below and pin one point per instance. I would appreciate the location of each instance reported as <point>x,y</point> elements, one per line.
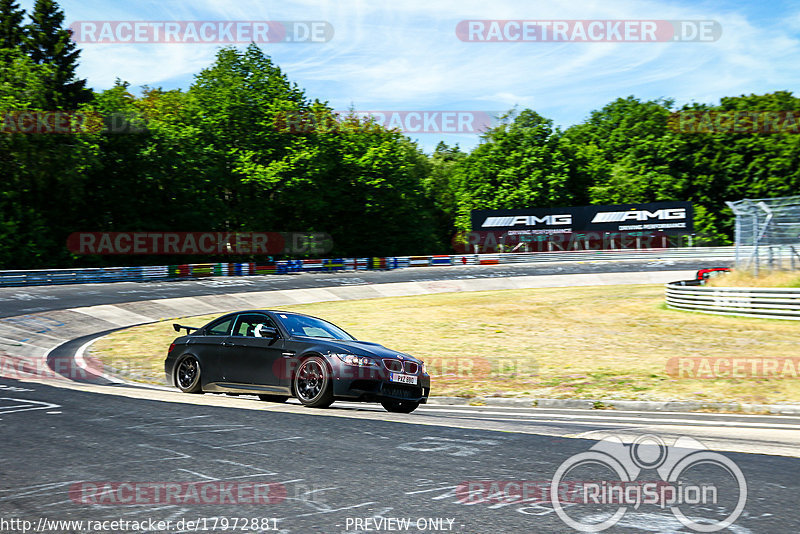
<point>395,366</point>
<point>400,391</point>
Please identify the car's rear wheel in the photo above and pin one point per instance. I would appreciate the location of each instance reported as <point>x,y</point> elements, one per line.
<point>312,383</point>
<point>273,398</point>
<point>187,375</point>
<point>397,406</point>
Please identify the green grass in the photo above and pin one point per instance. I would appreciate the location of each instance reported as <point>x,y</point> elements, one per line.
<point>589,342</point>
<point>764,279</point>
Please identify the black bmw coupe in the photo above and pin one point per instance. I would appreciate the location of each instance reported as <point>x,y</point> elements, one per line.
<point>277,355</point>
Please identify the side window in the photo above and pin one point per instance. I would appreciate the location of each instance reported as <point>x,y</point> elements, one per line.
<point>251,325</point>
<point>220,328</point>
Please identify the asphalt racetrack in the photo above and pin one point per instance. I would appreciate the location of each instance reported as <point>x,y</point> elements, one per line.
<point>20,300</point>
<point>95,452</point>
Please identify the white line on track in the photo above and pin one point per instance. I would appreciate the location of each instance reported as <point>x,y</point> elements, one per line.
<point>600,418</point>
<point>428,407</point>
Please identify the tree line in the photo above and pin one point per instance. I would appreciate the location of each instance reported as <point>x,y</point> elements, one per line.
<point>217,157</point>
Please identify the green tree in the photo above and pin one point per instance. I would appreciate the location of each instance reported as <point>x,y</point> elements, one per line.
<point>12,34</point>
<point>630,152</point>
<point>519,164</point>
<point>43,175</point>
<point>47,42</point>
<point>440,187</point>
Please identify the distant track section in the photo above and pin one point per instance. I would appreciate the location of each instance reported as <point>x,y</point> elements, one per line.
<point>204,270</point>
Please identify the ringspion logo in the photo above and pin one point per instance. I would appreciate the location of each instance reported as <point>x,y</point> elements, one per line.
<point>200,32</point>
<point>705,490</point>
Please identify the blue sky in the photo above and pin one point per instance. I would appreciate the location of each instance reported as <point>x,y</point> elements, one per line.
<point>405,55</point>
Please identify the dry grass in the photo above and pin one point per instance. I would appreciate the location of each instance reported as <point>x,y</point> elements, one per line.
<point>745,279</point>
<point>595,342</point>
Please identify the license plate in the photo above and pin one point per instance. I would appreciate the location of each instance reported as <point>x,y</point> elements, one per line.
<point>403,379</point>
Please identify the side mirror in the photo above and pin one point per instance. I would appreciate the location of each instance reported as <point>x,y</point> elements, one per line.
<point>265,331</point>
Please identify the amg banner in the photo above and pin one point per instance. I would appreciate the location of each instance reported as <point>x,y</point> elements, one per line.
<point>663,217</point>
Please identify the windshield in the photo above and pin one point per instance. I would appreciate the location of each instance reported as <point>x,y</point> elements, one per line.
<point>302,325</point>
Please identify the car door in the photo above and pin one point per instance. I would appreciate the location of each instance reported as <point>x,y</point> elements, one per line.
<point>250,357</point>
<point>208,345</point>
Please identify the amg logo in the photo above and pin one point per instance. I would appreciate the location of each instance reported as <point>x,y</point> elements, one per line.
<point>526,220</point>
<point>639,215</point>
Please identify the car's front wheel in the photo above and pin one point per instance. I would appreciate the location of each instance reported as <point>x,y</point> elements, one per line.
<point>399,406</point>
<point>187,375</point>
<point>312,383</point>
<point>273,398</point>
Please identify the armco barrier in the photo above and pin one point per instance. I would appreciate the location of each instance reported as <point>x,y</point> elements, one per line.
<point>162,272</point>
<point>401,262</point>
<point>466,259</point>
<point>702,253</point>
<point>311,265</point>
<point>763,302</point>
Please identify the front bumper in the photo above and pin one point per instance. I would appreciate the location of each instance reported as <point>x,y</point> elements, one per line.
<point>370,385</point>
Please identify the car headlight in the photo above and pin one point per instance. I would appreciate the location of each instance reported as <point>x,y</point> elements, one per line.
<point>422,366</point>
<point>352,359</point>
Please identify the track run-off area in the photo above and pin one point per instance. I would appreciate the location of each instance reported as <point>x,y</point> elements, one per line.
<point>350,468</point>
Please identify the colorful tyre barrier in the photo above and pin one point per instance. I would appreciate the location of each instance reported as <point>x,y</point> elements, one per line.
<point>311,265</point>
<point>468,259</point>
<point>200,270</point>
<point>333,265</point>
<point>263,268</point>
<point>441,260</point>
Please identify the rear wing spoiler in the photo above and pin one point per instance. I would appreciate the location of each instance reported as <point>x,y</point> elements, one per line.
<point>189,329</point>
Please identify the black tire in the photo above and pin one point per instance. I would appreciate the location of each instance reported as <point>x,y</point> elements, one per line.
<point>273,398</point>
<point>312,383</point>
<point>397,406</point>
<point>187,375</point>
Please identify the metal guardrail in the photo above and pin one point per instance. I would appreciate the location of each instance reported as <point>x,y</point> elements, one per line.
<point>704,253</point>
<point>165,272</point>
<point>763,302</point>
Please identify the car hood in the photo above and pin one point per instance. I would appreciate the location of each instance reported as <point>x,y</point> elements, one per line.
<point>366,348</point>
